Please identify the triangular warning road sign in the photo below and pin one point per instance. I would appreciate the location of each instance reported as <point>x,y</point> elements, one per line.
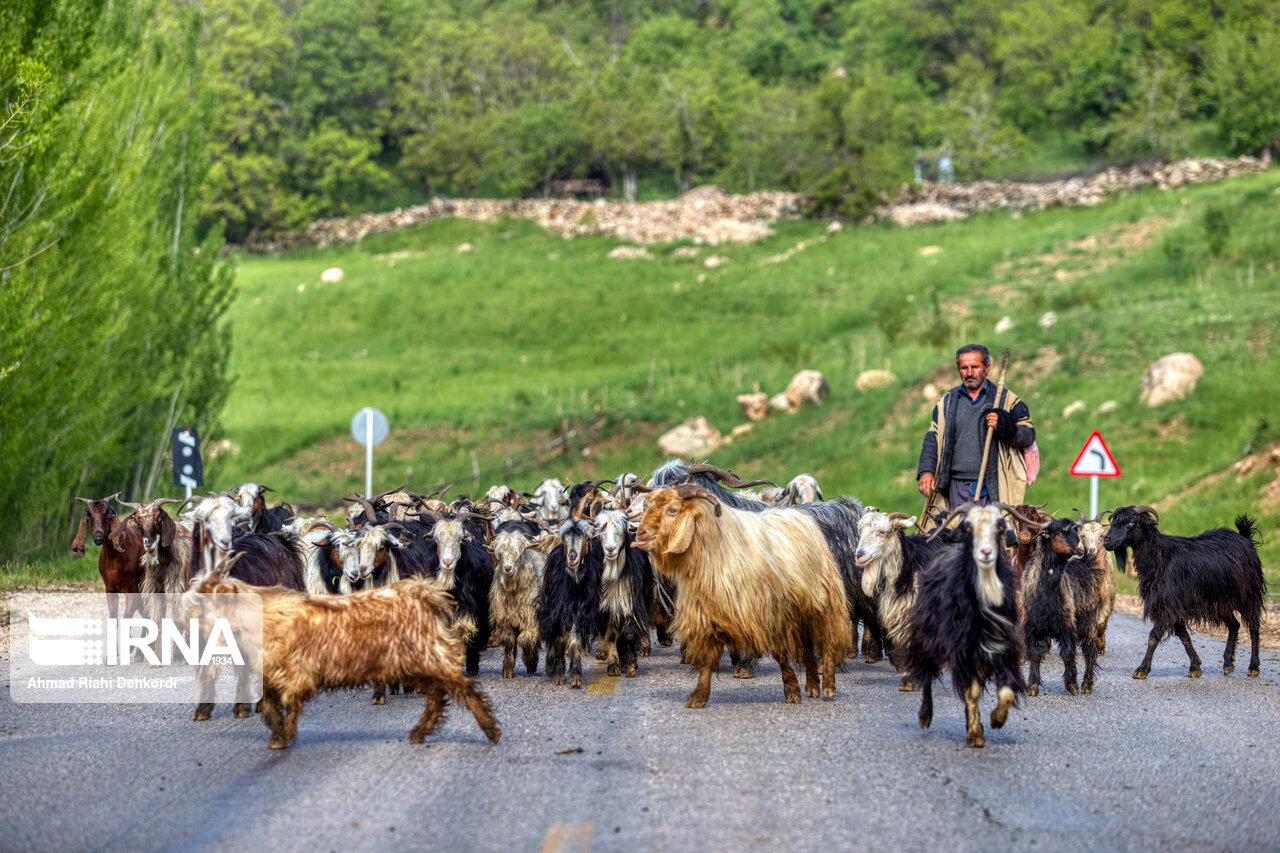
<point>1095,460</point>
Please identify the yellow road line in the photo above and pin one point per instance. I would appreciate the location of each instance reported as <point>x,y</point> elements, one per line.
<point>601,683</point>
<point>568,838</point>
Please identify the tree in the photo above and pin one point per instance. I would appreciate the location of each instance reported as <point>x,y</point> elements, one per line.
<point>1246,83</point>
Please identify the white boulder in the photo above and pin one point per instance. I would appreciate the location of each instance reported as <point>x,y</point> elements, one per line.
<point>1171,378</point>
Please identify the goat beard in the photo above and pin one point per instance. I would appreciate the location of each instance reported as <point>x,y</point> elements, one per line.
<point>1122,559</point>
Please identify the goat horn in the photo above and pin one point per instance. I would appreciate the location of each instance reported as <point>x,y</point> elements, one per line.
<point>688,491</point>
<point>898,515</point>
<point>1155,515</point>
<point>87,500</point>
<point>1083,520</point>
<point>958,511</point>
<point>132,506</point>
<point>431,513</point>
<point>382,495</point>
<point>1038,525</point>
<point>193,498</point>
<point>163,501</point>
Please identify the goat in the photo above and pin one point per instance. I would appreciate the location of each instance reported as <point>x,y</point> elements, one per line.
<point>758,581</point>
<point>316,543</point>
<point>803,489</point>
<point>891,561</point>
<point>166,548</point>
<point>569,601</point>
<point>549,500</point>
<point>1025,525</point>
<point>513,596</point>
<point>626,592</point>
<point>1060,602</point>
<point>264,519</point>
<point>462,562</point>
<point>119,564</point>
<point>403,633</point>
<point>1204,578</point>
<point>965,620</point>
<point>1099,559</point>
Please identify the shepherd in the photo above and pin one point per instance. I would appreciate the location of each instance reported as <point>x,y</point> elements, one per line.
<point>957,464</point>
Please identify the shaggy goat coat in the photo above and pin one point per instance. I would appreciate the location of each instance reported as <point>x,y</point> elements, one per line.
<point>757,581</point>
<point>568,609</point>
<point>401,633</point>
<point>513,597</point>
<point>1059,602</point>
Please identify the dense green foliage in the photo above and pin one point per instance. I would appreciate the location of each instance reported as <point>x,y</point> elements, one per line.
<point>109,303</point>
<point>334,106</point>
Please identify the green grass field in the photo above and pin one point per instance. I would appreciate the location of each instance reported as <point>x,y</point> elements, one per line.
<point>481,359</point>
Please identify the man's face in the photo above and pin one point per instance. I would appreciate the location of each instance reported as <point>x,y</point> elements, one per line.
<point>973,373</point>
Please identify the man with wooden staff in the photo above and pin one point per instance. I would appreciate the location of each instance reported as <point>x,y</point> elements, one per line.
<point>976,440</point>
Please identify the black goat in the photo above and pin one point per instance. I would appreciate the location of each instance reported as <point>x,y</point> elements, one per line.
<point>964,619</point>
<point>461,559</point>
<point>626,592</point>
<point>1206,578</point>
<point>1059,602</point>
<point>569,602</point>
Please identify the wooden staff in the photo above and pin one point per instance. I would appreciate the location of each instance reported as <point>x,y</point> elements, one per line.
<point>986,445</point>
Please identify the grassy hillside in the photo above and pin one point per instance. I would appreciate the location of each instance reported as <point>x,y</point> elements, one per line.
<point>481,358</point>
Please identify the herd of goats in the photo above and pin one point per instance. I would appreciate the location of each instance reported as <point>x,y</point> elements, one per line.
<point>412,590</point>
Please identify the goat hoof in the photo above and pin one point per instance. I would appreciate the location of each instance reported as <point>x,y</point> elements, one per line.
<point>1073,690</point>
<point>1034,689</point>
<point>613,670</point>
<point>1253,673</point>
<point>1087,689</point>
<point>630,672</point>
<point>828,693</point>
<point>473,671</point>
<point>509,672</point>
<point>696,701</point>
<point>975,741</point>
<point>1228,669</point>
<point>793,698</point>
<point>276,743</point>
<point>664,642</point>
<point>811,692</point>
<point>415,737</point>
<point>379,700</point>
<point>202,714</point>
<point>906,685</point>
<point>743,672</point>
<point>1195,673</point>
<point>242,713</point>
<point>576,682</point>
<point>925,720</point>
<point>1140,675</point>
<point>558,681</point>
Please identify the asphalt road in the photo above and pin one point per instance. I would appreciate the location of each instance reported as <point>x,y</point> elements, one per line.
<point>1166,764</point>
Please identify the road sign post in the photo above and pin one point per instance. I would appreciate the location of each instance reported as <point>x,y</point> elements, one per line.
<point>1094,461</point>
<point>188,470</point>
<point>369,427</point>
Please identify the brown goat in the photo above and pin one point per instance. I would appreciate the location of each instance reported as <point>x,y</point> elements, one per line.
<point>165,556</point>
<point>758,581</point>
<point>119,564</point>
<point>1092,532</point>
<point>401,633</point>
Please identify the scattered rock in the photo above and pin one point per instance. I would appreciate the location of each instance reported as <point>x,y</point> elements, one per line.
<point>686,252</point>
<point>628,253</point>
<point>741,430</point>
<point>332,275</point>
<point>807,386</point>
<point>929,251</point>
<point>466,248</point>
<point>834,228</point>
<point>302,288</point>
<point>1077,406</point>
<point>1047,320</point>
<point>870,379</point>
<point>715,261</point>
<point>754,406</point>
<point>931,392</point>
<point>1108,407</point>
<point>1170,378</point>
<point>781,403</point>
<point>694,437</point>
<point>1003,325</point>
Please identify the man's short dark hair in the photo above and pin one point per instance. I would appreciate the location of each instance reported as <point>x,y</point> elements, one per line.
<point>978,348</point>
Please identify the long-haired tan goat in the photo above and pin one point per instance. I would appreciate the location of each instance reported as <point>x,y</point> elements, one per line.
<point>403,633</point>
<point>758,581</point>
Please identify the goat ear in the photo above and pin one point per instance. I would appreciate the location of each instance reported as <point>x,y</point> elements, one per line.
<point>77,544</point>
<point>904,523</point>
<point>167,530</point>
<point>681,533</point>
<point>116,536</point>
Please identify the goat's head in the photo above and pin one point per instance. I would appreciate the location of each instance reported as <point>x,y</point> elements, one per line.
<point>252,496</point>
<point>157,528</point>
<point>508,549</point>
<point>1063,536</point>
<point>449,532</point>
<point>575,537</point>
<point>611,527</point>
<point>1028,521</point>
<point>1129,524</point>
<point>501,496</point>
<point>875,530</point>
<point>98,519</point>
<point>369,550</point>
<point>1092,532</point>
<point>803,489</point>
<point>982,527</point>
<point>671,517</point>
<point>222,518</point>
<point>549,497</point>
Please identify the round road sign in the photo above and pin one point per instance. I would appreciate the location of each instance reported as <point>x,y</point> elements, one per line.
<point>369,420</point>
